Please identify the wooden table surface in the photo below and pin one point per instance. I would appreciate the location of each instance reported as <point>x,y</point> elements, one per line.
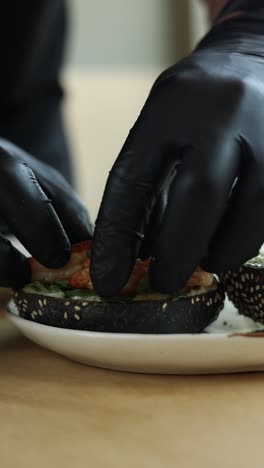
<point>55,413</point>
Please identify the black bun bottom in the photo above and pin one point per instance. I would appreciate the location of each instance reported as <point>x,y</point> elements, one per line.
<point>245,288</point>
<point>187,315</point>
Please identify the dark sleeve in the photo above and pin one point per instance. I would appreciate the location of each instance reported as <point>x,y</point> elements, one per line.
<point>237,5</point>
<point>32,39</point>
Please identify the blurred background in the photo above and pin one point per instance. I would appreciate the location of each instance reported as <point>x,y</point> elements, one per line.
<point>116,49</point>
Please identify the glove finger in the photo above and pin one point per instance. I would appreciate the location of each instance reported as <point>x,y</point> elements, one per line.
<point>156,214</point>
<point>196,203</point>
<point>132,183</point>
<point>70,209</point>
<point>241,231</point>
<point>30,214</point>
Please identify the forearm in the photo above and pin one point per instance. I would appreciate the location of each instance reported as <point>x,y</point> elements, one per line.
<point>30,91</point>
<point>231,8</point>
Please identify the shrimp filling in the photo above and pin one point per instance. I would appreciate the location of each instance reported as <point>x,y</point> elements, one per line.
<point>74,279</point>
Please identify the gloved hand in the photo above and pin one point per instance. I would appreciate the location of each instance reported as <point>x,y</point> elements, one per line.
<point>41,210</point>
<point>204,116</point>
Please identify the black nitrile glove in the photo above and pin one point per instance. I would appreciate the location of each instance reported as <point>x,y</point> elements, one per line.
<point>206,113</point>
<point>41,210</point>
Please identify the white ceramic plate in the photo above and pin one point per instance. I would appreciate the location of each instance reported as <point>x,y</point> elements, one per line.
<point>218,351</point>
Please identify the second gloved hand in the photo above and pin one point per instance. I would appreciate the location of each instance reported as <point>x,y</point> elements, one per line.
<point>41,210</point>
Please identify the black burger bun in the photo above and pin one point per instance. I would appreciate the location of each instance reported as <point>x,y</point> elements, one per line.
<point>190,314</point>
